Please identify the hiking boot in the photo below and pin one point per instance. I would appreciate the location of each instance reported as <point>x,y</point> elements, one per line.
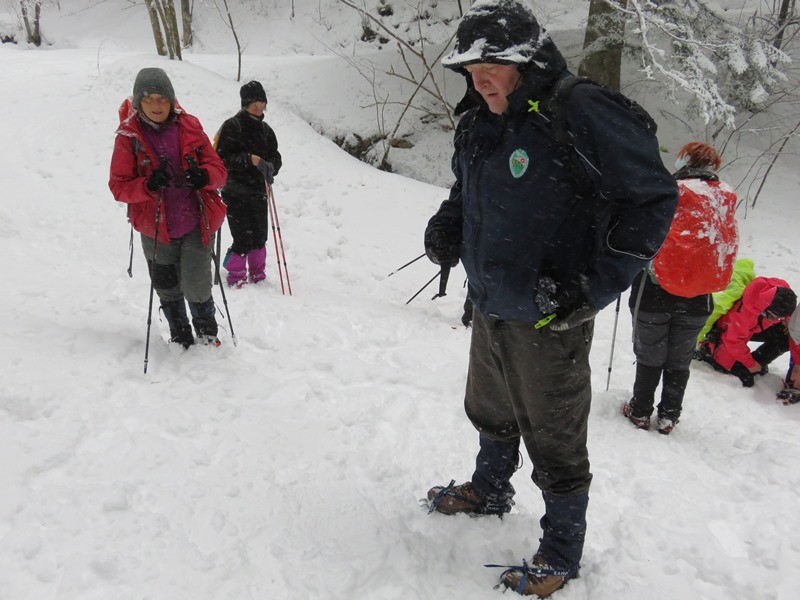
<point>208,340</point>
<point>182,335</point>
<point>640,422</point>
<point>454,499</point>
<point>665,425</point>
<point>537,578</point>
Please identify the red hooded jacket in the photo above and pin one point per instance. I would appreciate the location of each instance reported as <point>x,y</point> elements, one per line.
<point>133,161</point>
<point>744,320</point>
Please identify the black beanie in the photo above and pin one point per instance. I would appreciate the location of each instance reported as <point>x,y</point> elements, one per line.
<point>784,302</point>
<point>252,91</point>
<point>496,31</point>
<point>152,80</point>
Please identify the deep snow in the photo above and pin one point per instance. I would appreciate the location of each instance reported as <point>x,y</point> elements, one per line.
<point>291,466</point>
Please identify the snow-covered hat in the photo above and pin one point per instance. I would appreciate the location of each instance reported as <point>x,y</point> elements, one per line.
<point>152,80</point>
<point>496,31</point>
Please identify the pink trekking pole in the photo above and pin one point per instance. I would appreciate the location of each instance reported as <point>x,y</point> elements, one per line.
<point>280,253</point>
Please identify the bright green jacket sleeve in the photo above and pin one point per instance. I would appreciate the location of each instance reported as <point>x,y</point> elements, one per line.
<point>743,273</point>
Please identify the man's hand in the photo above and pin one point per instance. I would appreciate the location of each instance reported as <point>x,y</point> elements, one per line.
<point>579,316</point>
<point>443,248</point>
<point>794,377</point>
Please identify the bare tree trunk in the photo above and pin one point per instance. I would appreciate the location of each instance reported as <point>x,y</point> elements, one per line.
<point>186,18</point>
<point>232,27</point>
<point>155,25</point>
<point>34,35</point>
<point>603,43</point>
<point>172,27</point>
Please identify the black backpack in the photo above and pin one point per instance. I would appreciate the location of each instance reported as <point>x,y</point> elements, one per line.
<point>556,105</point>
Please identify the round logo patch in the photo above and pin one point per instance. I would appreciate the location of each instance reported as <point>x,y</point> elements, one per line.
<point>518,162</point>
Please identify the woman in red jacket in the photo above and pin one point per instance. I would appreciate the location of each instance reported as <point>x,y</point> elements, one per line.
<point>164,163</point>
<point>761,315</point>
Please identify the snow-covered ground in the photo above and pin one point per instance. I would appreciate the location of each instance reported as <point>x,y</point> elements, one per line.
<point>291,465</point>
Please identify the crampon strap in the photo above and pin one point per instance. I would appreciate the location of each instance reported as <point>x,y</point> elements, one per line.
<point>532,571</point>
<point>441,494</point>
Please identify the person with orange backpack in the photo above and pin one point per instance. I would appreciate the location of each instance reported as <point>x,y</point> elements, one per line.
<point>671,300</point>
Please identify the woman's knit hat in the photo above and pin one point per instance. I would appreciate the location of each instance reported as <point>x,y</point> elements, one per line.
<point>152,80</point>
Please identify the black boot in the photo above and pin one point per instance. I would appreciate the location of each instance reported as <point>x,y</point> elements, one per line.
<point>673,389</point>
<point>644,390</point>
<point>205,325</point>
<point>180,332</point>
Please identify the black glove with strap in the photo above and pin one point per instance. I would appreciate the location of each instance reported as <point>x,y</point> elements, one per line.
<point>573,308</point>
<point>197,177</point>
<point>158,179</point>
<point>443,247</point>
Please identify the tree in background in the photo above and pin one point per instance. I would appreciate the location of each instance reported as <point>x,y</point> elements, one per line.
<point>187,7</point>
<point>164,22</point>
<point>603,42</point>
<point>32,30</point>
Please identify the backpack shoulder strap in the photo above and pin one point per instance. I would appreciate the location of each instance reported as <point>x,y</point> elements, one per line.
<point>556,105</point>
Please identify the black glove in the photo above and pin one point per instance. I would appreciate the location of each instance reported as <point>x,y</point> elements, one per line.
<point>443,248</point>
<point>744,374</point>
<point>158,179</point>
<point>573,309</point>
<point>197,177</point>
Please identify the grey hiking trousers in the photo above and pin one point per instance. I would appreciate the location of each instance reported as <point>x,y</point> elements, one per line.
<point>182,269</point>
<point>534,384</point>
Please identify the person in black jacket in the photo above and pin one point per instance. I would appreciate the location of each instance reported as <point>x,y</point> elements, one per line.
<point>533,246</point>
<point>666,325</point>
<point>249,149</point>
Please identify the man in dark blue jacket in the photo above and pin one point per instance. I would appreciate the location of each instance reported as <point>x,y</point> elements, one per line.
<point>534,241</point>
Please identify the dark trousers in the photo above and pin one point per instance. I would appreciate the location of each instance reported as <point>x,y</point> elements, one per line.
<point>534,384</point>
<point>664,344</point>
<point>182,269</point>
<point>247,219</point>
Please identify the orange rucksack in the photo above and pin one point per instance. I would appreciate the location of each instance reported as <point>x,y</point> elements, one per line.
<point>698,254</point>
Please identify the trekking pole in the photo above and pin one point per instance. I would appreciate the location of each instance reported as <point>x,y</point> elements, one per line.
<point>271,197</point>
<point>444,275</point>
<point>613,340</point>
<point>222,291</point>
<point>274,237</point>
<point>424,286</point>
<point>152,286</point>
<point>218,254</point>
<point>130,261</point>
<point>214,255</point>
<point>405,265</point>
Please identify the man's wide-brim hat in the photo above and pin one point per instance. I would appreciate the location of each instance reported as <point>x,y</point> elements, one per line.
<point>497,32</point>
